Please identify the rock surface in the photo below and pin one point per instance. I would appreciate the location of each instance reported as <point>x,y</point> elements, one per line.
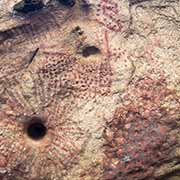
<point>89,90</point>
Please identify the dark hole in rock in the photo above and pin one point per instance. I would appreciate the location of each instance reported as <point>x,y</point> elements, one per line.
<point>26,6</point>
<point>68,3</point>
<point>90,50</point>
<point>36,129</point>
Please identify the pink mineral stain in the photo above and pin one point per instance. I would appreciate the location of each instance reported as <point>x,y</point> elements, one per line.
<point>141,130</point>
<point>3,161</point>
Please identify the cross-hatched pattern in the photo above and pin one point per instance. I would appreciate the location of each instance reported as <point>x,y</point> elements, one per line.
<point>24,158</point>
<point>48,92</point>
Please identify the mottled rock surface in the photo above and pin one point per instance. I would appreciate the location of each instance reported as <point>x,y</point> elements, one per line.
<point>89,90</point>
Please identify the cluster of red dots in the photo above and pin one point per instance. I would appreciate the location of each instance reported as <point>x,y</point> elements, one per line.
<point>108,14</point>
<point>64,73</point>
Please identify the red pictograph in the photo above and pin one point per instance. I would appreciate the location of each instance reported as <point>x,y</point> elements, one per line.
<point>108,14</point>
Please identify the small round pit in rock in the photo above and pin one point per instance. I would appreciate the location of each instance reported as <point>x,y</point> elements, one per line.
<point>36,130</point>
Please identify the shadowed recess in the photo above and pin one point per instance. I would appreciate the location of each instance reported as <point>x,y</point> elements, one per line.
<point>36,129</point>
<point>26,6</point>
<point>85,5</point>
<point>68,3</point>
<point>90,50</point>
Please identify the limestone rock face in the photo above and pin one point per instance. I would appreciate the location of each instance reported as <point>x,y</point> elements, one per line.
<point>89,90</point>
